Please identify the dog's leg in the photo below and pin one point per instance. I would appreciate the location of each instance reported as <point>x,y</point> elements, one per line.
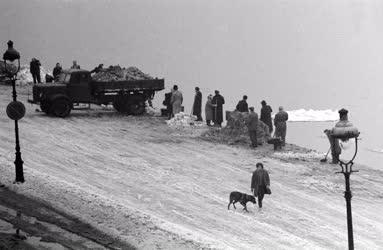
<point>234,205</point>
<point>228,206</point>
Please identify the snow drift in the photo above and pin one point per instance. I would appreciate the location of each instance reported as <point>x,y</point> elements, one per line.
<point>25,77</point>
<point>302,115</point>
<point>182,120</point>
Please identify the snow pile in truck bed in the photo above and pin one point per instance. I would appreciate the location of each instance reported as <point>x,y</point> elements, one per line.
<point>116,73</point>
<point>181,120</point>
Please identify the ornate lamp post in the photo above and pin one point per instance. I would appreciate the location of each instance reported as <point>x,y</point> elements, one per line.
<point>15,109</point>
<point>346,133</point>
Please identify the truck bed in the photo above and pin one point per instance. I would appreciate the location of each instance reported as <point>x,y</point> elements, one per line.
<point>130,85</point>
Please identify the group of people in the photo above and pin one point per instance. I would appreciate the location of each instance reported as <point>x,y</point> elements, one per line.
<point>34,68</point>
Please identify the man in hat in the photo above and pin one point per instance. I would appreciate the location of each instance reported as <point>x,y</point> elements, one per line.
<point>336,150</point>
<point>176,100</point>
<point>218,102</point>
<point>280,124</point>
<point>242,105</point>
<point>197,105</point>
<point>260,183</point>
<point>266,115</point>
<point>252,126</point>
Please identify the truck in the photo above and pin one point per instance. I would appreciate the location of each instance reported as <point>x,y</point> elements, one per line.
<point>77,86</point>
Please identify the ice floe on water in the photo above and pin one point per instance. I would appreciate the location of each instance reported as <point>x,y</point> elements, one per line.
<point>303,115</point>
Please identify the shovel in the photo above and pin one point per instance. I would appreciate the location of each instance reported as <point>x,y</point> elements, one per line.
<point>325,158</point>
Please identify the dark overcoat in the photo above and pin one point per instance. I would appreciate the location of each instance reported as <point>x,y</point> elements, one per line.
<point>218,101</point>
<point>197,106</point>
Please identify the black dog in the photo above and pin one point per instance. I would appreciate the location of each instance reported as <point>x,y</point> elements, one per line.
<point>241,198</point>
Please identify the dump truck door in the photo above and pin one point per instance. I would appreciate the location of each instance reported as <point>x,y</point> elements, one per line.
<point>78,87</point>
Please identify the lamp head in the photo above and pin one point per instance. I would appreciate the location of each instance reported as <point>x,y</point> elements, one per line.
<point>11,54</point>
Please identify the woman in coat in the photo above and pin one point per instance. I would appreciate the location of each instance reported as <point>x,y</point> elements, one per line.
<point>209,109</point>
<point>176,100</point>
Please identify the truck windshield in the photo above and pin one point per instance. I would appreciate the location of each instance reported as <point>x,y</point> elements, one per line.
<point>64,78</point>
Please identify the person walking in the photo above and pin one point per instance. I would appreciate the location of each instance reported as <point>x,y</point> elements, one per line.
<point>209,110</point>
<point>266,115</point>
<point>57,71</point>
<point>197,105</point>
<point>252,126</point>
<point>218,102</point>
<point>260,183</point>
<point>176,100</point>
<point>280,120</point>
<point>242,105</point>
<point>34,68</point>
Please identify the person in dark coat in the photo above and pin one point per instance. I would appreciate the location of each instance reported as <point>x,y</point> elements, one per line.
<point>197,106</point>
<point>266,115</point>
<point>218,102</point>
<point>260,183</point>
<point>280,120</point>
<point>34,68</point>
<point>252,126</point>
<point>242,105</point>
<point>57,71</point>
<point>168,104</point>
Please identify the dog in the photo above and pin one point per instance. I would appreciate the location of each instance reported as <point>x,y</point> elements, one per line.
<point>241,198</point>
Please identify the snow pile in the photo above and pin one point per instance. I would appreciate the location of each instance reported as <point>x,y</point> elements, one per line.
<point>182,120</point>
<point>152,111</point>
<point>116,73</point>
<point>302,156</point>
<point>25,77</point>
<point>302,115</point>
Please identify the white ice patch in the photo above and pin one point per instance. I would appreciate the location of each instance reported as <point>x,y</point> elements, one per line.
<point>302,115</point>
<point>299,156</point>
<point>181,120</point>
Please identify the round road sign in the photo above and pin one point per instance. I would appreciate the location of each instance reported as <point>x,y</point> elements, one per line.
<point>15,110</point>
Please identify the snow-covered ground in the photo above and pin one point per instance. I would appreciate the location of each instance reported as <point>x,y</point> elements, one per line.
<point>142,181</point>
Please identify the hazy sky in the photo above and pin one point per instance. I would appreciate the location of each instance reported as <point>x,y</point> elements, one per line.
<point>299,53</point>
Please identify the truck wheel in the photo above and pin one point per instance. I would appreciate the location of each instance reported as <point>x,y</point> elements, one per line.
<point>45,106</point>
<point>61,107</point>
<point>137,107</point>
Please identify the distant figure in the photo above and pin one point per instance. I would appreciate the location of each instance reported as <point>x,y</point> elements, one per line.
<point>34,67</point>
<point>280,120</point>
<point>75,65</point>
<point>168,103</point>
<point>260,183</point>
<point>57,71</point>
<point>197,106</point>
<point>176,100</point>
<point>49,78</point>
<point>336,150</point>
<point>209,110</point>
<point>266,115</point>
<point>218,102</point>
<point>97,69</point>
<point>242,105</point>
<point>252,126</point>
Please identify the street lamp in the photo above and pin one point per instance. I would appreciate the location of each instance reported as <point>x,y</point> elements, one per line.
<point>346,133</point>
<point>15,109</point>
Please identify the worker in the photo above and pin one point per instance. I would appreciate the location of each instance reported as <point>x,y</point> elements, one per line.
<point>242,105</point>
<point>252,126</point>
<point>75,65</point>
<point>280,120</point>
<point>336,150</point>
<point>57,71</point>
<point>176,100</point>
<point>266,115</point>
<point>218,102</point>
<point>97,69</point>
<point>168,104</point>
<point>209,110</point>
<point>197,105</point>
<point>260,183</point>
<point>34,68</point>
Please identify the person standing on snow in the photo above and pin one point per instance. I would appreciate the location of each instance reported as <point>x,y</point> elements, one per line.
<point>75,65</point>
<point>34,68</point>
<point>242,105</point>
<point>209,110</point>
<point>252,126</point>
<point>218,102</point>
<point>57,71</point>
<point>266,115</point>
<point>260,183</point>
<point>176,100</point>
<point>280,120</point>
<point>197,105</point>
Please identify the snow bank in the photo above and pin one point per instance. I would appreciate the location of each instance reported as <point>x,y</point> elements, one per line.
<point>302,156</point>
<point>181,120</point>
<point>25,77</point>
<point>302,115</point>
<point>152,111</point>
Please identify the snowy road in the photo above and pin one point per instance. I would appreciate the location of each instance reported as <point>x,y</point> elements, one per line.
<point>140,181</point>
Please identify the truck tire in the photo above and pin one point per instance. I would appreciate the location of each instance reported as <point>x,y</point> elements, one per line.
<point>45,106</point>
<point>137,105</point>
<point>60,107</point>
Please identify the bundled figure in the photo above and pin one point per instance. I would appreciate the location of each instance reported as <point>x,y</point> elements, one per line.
<point>252,126</point>
<point>218,102</point>
<point>75,65</point>
<point>209,110</point>
<point>266,115</point>
<point>260,183</point>
<point>34,67</point>
<point>197,105</point>
<point>176,100</point>
<point>280,120</point>
<point>242,105</point>
<point>168,103</point>
<point>57,71</point>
